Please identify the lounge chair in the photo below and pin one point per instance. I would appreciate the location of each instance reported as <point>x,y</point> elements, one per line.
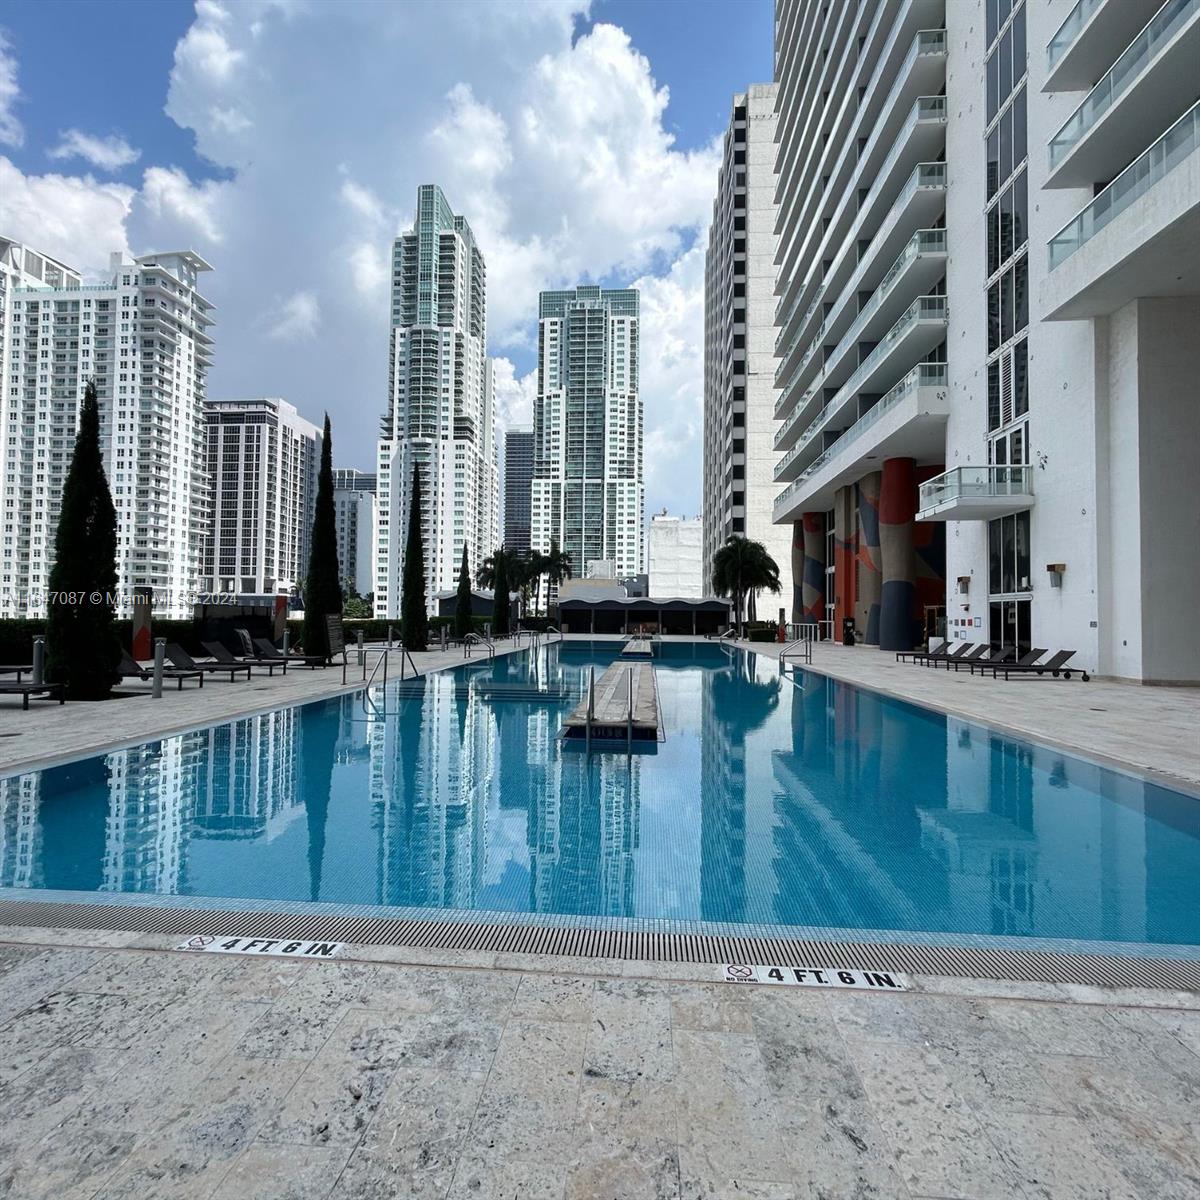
<point>267,650</point>
<point>220,652</point>
<point>182,659</point>
<point>25,690</point>
<point>1055,664</point>
<point>18,671</point>
<point>994,656</point>
<point>130,668</point>
<point>974,654</point>
<point>1026,660</point>
<point>943,651</point>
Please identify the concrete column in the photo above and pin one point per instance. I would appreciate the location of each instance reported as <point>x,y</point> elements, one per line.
<point>897,508</point>
<point>845,551</point>
<point>798,570</point>
<point>812,568</point>
<point>870,580</point>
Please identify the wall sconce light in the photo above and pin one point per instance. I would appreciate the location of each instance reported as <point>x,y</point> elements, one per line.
<point>1056,573</point>
<point>964,584</point>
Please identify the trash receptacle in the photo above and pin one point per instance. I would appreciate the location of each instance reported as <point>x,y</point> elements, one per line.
<point>847,631</point>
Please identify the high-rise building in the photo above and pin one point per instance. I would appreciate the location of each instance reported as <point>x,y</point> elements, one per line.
<point>739,339</point>
<point>439,419</point>
<point>588,491</point>
<point>676,557</point>
<point>262,459</point>
<point>143,337</point>
<point>989,287</point>
<point>354,513</point>
<point>518,487</point>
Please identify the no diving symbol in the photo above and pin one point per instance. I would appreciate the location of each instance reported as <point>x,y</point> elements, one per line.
<point>200,941</point>
<point>736,973</point>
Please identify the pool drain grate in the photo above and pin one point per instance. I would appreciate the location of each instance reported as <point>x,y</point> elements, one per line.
<point>1096,970</point>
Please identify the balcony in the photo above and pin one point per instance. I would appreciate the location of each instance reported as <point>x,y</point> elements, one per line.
<point>1153,80</point>
<point>908,422</point>
<point>921,264</point>
<point>1139,237</point>
<point>1082,49</point>
<point>920,202</point>
<point>976,494</point>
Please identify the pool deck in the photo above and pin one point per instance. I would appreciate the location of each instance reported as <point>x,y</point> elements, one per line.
<point>132,1070</point>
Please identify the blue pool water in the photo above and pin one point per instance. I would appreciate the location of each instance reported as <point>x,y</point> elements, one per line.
<point>773,800</point>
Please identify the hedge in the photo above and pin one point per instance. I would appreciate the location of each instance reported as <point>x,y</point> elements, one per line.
<point>17,634</point>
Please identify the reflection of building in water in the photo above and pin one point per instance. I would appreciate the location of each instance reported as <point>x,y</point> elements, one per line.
<point>19,830</point>
<point>150,789</point>
<point>431,760</point>
<point>251,783</point>
<point>737,839</point>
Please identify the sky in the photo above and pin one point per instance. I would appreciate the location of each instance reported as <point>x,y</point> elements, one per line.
<point>284,141</point>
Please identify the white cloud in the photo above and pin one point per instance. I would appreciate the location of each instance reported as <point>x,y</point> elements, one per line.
<point>108,153</point>
<point>76,219</point>
<point>12,133</point>
<point>297,318</point>
<point>672,382</point>
<point>171,197</point>
<point>513,395</point>
<point>554,146</point>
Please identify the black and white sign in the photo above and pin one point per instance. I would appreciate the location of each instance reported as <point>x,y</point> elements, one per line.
<point>816,977</point>
<point>280,947</point>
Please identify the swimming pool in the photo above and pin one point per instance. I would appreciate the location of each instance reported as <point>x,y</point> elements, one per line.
<point>774,800</point>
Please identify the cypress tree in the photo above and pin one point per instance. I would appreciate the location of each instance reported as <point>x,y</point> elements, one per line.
<point>500,596</point>
<point>82,646</point>
<point>462,605</point>
<point>414,620</point>
<point>322,587</point>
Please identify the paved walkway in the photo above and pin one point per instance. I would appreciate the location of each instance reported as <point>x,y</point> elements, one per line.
<point>146,1074</point>
<point>49,731</point>
<point>1152,728</point>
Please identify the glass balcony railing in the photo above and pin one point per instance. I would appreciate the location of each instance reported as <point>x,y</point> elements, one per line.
<point>922,375</point>
<point>1136,57</point>
<point>924,241</point>
<point>979,483</point>
<point>1173,148</point>
<point>1068,31</point>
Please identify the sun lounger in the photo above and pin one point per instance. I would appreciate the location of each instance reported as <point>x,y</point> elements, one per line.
<point>182,659</point>
<point>18,671</point>
<point>995,656</point>
<point>1054,665</point>
<point>943,651</point>
<point>974,654</point>
<point>267,650</point>
<point>1026,660</point>
<point>222,654</point>
<point>47,690</point>
<point>130,668</point>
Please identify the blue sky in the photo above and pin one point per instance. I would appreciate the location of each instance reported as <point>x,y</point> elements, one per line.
<point>284,140</point>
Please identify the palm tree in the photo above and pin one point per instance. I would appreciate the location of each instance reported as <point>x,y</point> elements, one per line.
<point>741,569</point>
<point>556,566</point>
<point>502,571</point>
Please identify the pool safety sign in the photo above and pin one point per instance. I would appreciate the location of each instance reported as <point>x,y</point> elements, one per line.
<point>280,947</point>
<point>816,977</point>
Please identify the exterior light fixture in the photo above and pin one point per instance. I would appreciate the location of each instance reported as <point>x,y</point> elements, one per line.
<point>1056,573</point>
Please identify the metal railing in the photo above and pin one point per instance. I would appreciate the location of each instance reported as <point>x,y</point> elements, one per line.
<point>1068,31</point>
<point>1136,57</point>
<point>474,639</point>
<point>1176,145</point>
<point>977,482</point>
<point>800,647</point>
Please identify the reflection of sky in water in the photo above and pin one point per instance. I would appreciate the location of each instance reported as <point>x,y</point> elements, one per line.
<point>773,800</point>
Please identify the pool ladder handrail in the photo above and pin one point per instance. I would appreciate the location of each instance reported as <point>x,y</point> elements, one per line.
<point>476,639</point>
<point>800,648</point>
<point>553,629</point>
